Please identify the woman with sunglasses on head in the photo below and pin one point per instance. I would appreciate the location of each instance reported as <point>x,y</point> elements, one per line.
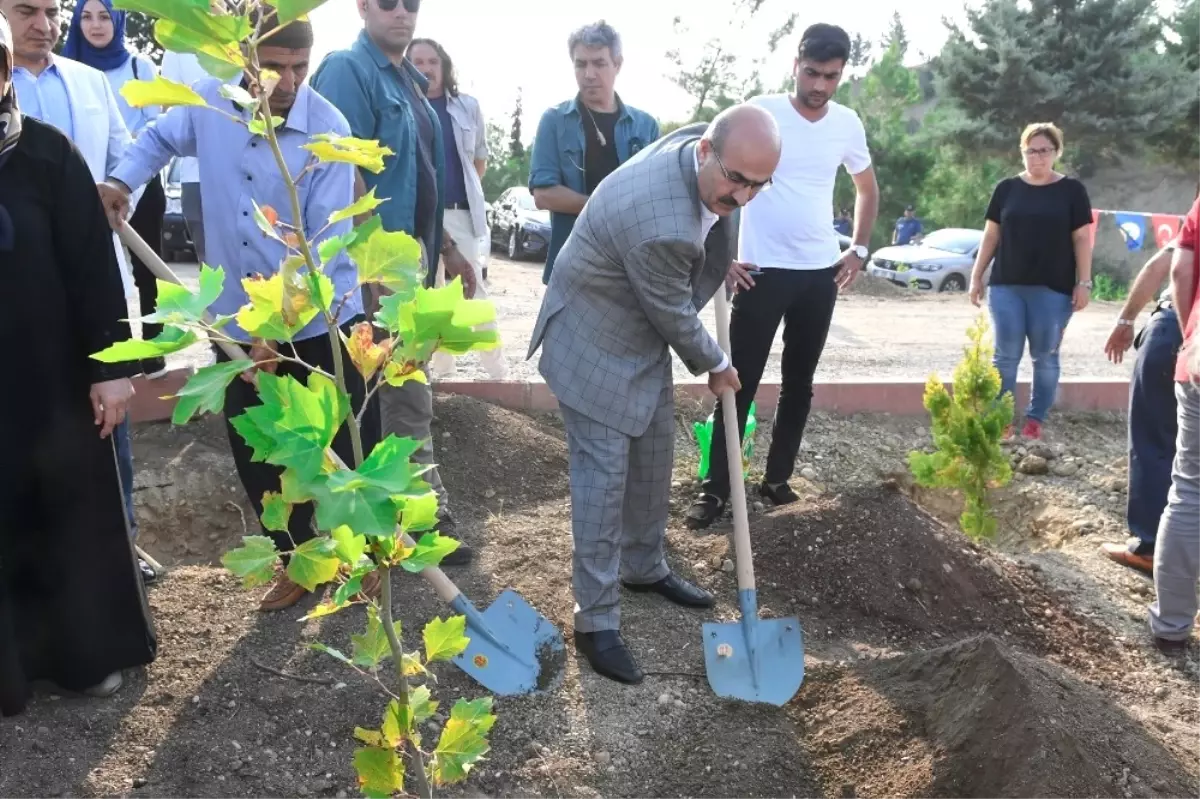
<point>72,607</point>
<point>1038,228</point>
<point>97,38</point>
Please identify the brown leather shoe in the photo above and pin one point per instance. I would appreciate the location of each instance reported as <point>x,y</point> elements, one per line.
<point>282,595</point>
<point>1119,553</point>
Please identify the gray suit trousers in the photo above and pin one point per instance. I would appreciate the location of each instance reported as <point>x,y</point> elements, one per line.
<point>620,495</point>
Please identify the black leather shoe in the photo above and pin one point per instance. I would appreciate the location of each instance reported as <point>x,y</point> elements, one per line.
<point>676,589</point>
<point>461,556</point>
<point>704,511</point>
<point>605,650</point>
<point>783,495</point>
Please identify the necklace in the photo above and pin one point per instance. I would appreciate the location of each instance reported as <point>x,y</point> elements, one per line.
<point>595,126</point>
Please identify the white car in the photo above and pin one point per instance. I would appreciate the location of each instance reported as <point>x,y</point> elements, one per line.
<point>941,261</point>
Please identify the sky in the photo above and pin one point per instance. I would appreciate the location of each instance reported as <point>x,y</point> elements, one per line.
<point>499,46</point>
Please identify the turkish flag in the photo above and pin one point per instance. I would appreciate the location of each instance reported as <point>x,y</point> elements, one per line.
<point>1166,228</point>
<point>1094,225</point>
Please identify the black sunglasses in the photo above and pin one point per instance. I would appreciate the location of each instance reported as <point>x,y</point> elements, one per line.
<point>411,6</point>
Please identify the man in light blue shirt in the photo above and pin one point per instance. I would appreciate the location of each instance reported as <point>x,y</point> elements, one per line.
<point>237,169</point>
<point>44,97</point>
<point>581,141</point>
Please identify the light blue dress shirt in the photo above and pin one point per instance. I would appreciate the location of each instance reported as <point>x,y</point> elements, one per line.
<point>44,97</point>
<point>236,169</point>
<point>135,118</point>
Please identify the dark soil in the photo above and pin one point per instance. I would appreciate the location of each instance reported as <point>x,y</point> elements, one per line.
<point>207,720</point>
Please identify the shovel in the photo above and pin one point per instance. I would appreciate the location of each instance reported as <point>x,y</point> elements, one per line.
<point>511,644</point>
<point>755,660</point>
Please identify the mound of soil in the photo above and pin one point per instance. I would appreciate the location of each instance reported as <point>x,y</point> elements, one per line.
<point>871,286</point>
<point>872,566</point>
<point>978,719</point>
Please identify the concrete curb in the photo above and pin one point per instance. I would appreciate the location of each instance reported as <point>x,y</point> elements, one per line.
<point>154,398</point>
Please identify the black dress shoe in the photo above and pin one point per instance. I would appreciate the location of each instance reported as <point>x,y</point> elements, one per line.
<point>779,495</point>
<point>676,589</point>
<point>449,529</point>
<point>704,511</point>
<point>605,650</point>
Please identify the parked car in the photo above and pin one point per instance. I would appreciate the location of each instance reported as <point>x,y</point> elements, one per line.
<point>176,241</point>
<point>519,226</point>
<point>941,261</point>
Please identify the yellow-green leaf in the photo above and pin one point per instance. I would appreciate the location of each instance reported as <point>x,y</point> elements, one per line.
<point>422,704</point>
<point>237,94</point>
<point>371,648</point>
<point>323,609</point>
<point>368,202</point>
<point>444,639</point>
<point>161,92</point>
<point>380,771</point>
<point>313,563</point>
<point>392,258</point>
<point>253,561</point>
<point>419,513</point>
<point>276,512</point>
<point>463,741</point>
<point>394,727</point>
<point>348,547</point>
<point>258,128</point>
<point>267,316</point>
<point>430,551</point>
<point>397,374</point>
<point>171,339</point>
<point>366,355</point>
<point>292,10</point>
<point>364,153</point>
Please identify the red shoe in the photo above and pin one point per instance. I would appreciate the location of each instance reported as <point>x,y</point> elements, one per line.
<point>1032,430</point>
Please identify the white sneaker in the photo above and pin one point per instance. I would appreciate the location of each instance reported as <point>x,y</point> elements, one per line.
<point>107,687</point>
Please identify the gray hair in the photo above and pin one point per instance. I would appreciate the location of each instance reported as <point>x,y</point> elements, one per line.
<point>597,34</point>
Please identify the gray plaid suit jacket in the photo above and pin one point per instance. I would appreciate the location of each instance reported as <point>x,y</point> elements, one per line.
<point>628,286</point>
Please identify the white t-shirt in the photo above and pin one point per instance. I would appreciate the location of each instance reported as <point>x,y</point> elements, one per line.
<point>790,226</point>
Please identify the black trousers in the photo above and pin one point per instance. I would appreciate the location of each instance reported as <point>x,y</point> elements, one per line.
<point>803,300</point>
<point>257,477</point>
<point>147,221</point>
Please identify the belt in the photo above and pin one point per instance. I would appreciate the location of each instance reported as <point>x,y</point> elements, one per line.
<point>458,207</point>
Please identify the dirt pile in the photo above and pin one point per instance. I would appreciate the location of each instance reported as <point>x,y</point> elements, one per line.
<point>871,286</point>
<point>978,719</point>
<point>873,567</point>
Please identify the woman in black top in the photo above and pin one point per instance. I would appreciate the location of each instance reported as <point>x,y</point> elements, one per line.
<point>1038,229</point>
<point>72,606</point>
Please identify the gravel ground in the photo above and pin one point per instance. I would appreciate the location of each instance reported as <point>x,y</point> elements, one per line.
<point>873,337</point>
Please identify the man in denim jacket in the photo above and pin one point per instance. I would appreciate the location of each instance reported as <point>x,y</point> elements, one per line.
<point>581,141</point>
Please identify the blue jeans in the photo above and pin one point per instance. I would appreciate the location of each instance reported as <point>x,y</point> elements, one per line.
<point>1152,426</point>
<point>123,441</point>
<point>1038,315</point>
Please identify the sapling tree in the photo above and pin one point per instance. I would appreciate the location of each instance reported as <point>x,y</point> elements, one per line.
<point>369,511</point>
<point>968,426</point>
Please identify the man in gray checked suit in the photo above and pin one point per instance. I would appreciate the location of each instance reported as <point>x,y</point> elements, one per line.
<point>652,246</point>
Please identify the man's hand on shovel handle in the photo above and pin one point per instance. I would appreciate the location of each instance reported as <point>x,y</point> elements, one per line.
<point>720,382</point>
<point>114,195</point>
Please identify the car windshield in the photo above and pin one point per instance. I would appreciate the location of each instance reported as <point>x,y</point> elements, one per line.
<point>962,242</point>
<point>525,202</point>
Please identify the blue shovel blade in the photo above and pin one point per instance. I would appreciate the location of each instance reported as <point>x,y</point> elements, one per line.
<point>755,660</point>
<point>513,649</point>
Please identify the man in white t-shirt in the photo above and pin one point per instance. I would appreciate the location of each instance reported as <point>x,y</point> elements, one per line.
<point>788,238</point>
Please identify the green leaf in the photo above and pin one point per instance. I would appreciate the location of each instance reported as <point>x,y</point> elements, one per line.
<point>257,127</point>
<point>394,726</point>
<point>320,288</point>
<point>194,15</point>
<point>366,510</point>
<point>254,561</point>
<point>348,547</point>
<point>330,247</point>
<point>348,590</point>
<point>422,705</point>
<point>392,259</point>
<point>238,94</point>
<point>322,609</point>
<point>365,203</point>
<point>419,513</point>
<point>444,639</point>
<point>463,741</point>
<point>313,563</point>
<point>178,305</point>
<point>371,648</point>
<point>258,439</point>
<point>292,10</point>
<point>369,737</point>
<point>443,315</point>
<point>333,653</point>
<point>430,551</point>
<point>295,424</point>
<point>171,339</point>
<point>267,315</point>
<point>276,512</point>
<point>365,153</point>
<point>380,771</point>
<point>204,391</point>
<point>388,468</point>
<point>294,489</point>
<point>159,92</point>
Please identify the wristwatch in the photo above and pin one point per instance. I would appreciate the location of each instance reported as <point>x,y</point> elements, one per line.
<point>1087,284</point>
<point>1122,322</point>
<point>861,251</point>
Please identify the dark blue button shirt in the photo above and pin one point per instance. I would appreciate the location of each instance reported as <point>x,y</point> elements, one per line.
<point>456,181</point>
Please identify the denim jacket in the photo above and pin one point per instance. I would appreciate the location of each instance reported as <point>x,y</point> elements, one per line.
<point>557,158</point>
<point>365,86</point>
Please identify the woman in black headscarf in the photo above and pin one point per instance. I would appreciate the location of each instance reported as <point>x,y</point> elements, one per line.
<point>72,606</point>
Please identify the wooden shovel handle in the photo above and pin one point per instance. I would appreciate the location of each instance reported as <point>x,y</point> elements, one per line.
<point>733,451</point>
<point>446,589</point>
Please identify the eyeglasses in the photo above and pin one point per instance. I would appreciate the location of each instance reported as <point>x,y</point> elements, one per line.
<point>411,6</point>
<point>742,180</point>
<point>1040,152</point>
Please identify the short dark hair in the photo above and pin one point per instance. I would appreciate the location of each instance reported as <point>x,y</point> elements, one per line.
<point>449,76</point>
<point>822,42</point>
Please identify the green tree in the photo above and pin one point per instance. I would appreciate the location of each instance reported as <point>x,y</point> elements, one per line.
<point>1180,143</point>
<point>896,36</point>
<point>516,147</point>
<point>504,170</point>
<point>860,52</point>
<point>882,99</point>
<point>712,73</point>
<point>958,187</point>
<point>139,31</point>
<point>1090,66</point>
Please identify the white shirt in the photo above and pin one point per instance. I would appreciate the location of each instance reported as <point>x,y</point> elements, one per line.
<point>708,219</point>
<point>184,68</point>
<point>791,226</point>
